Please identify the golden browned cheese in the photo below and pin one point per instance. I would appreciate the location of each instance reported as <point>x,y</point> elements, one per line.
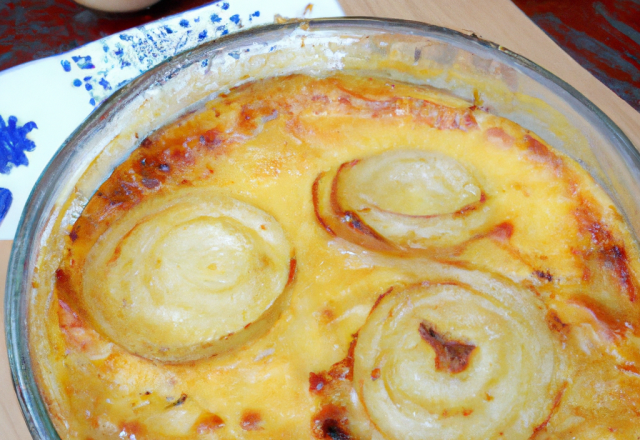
<point>345,258</point>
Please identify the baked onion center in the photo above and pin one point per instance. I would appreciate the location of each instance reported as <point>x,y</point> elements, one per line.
<point>184,276</point>
<point>448,361</point>
<point>213,263</point>
<point>415,183</point>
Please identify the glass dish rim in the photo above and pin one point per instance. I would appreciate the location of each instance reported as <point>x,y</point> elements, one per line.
<point>16,331</point>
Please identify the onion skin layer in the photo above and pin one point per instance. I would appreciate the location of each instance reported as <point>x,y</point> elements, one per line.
<point>345,208</point>
<point>505,378</point>
<point>190,275</point>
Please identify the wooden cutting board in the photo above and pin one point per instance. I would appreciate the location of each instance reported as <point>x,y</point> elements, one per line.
<point>499,21</point>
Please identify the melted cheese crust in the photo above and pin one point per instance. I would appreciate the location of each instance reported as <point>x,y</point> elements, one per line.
<point>548,236</point>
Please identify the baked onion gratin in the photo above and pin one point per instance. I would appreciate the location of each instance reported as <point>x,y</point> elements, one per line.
<point>345,258</point>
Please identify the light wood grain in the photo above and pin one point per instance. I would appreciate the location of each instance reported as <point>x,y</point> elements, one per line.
<point>12,425</point>
<point>497,20</point>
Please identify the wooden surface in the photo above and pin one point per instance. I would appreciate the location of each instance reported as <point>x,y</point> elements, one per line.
<point>601,35</point>
<point>496,20</point>
<point>12,426</point>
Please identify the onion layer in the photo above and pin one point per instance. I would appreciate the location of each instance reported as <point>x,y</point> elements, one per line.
<point>187,275</point>
<point>402,199</point>
<point>448,361</point>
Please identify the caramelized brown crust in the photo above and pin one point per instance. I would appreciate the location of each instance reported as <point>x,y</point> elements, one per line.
<point>452,356</point>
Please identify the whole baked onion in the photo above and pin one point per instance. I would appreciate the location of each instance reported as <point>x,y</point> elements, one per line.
<point>408,200</point>
<point>187,275</point>
<point>464,356</point>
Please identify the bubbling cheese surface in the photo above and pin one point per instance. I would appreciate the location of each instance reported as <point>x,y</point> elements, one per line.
<point>345,258</point>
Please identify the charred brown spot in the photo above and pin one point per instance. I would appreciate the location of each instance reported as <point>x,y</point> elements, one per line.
<point>149,169</point>
<point>615,257</point>
<point>350,218</point>
<point>251,115</point>
<point>554,408</point>
<point>333,430</point>
<point>555,323</point>
<point>251,421</point>
<point>62,277</point>
<point>179,155</point>
<point>331,423</point>
<point>150,183</point>
<point>465,412</point>
<point>316,204</point>
<point>211,138</point>
<point>629,368</point>
<point>179,401</point>
<point>125,193</point>
<point>345,368</point>
<point>340,371</point>
<point>293,263</point>
<point>452,356</point>
<point>355,222</point>
<point>74,234</point>
<point>603,314</point>
<point>67,317</point>
<point>146,143</point>
<point>499,137</point>
<point>503,231</point>
<point>543,275</point>
<point>380,298</point>
<point>444,118</point>
<point>337,221</point>
<point>470,207</point>
<point>610,251</point>
<point>327,315</point>
<point>541,153</point>
<point>467,121</point>
<point>316,382</point>
<point>118,250</point>
<point>208,423</point>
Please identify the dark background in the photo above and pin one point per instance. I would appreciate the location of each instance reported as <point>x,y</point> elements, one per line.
<point>603,36</point>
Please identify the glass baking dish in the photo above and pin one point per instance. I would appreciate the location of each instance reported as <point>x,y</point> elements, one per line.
<point>482,72</point>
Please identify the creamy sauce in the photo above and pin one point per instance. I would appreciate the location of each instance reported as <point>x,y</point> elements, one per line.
<point>536,237</point>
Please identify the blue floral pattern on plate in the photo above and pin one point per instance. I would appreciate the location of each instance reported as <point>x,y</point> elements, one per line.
<point>14,143</point>
<point>61,91</point>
